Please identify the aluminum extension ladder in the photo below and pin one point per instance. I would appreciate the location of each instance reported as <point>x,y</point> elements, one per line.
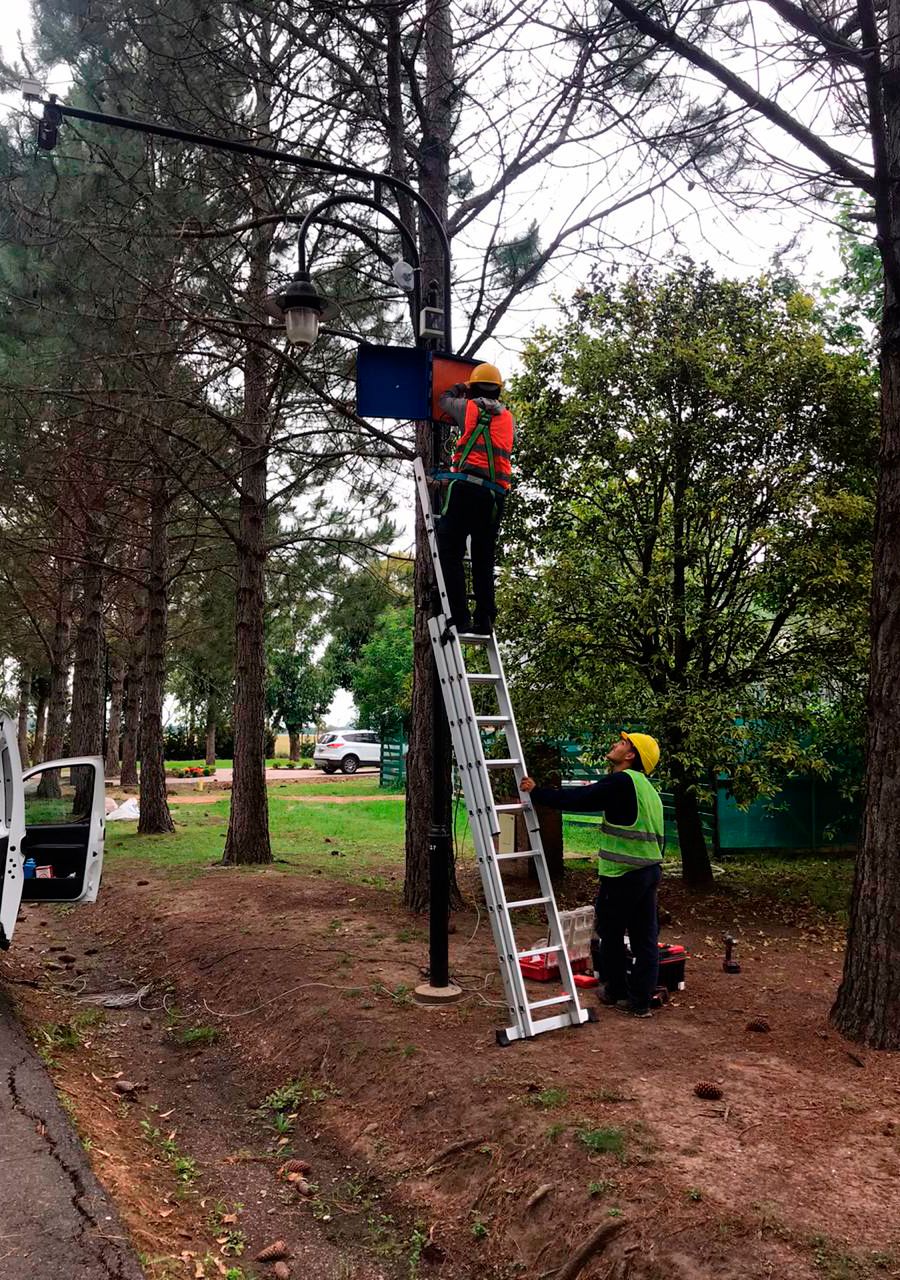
<point>474,768</point>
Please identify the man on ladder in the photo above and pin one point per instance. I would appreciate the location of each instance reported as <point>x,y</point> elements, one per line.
<point>478,483</point>
<point>631,848</point>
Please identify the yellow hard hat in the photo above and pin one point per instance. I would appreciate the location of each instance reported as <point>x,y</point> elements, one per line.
<point>485,373</point>
<point>646,747</point>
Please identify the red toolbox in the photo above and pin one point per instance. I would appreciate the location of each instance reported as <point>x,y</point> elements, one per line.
<point>672,962</point>
<point>543,968</point>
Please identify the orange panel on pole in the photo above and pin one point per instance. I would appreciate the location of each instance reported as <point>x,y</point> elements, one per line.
<point>446,371</point>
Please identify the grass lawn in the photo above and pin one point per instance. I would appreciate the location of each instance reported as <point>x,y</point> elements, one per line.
<point>364,841</point>
<point>358,841</point>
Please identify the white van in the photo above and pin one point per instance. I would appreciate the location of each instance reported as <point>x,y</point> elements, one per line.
<point>348,750</point>
<point>53,819</point>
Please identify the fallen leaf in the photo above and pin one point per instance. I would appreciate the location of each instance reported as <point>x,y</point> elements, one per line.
<point>166,1213</point>
<point>229,1218</point>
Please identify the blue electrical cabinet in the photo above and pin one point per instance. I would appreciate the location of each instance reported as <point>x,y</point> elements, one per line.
<point>393,382</point>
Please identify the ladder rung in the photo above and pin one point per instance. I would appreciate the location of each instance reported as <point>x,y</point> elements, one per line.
<point>509,808</point>
<point>481,677</point>
<point>501,764</point>
<point>542,1004</point>
<point>538,951</point>
<point>486,720</point>
<point>520,853</point>
<point>528,902</point>
<point>470,637</point>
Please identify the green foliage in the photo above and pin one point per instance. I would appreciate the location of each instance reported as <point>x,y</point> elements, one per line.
<point>603,1141</point>
<point>299,690</point>
<point>548,1098</point>
<point>182,743</point>
<point>381,678</point>
<point>55,1036</point>
<point>184,1167</point>
<point>853,303</point>
<point>359,601</point>
<point>198,1037</point>
<point>512,259</point>
<point>690,537</point>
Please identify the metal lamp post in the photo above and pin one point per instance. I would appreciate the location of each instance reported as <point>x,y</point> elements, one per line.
<point>301,308</point>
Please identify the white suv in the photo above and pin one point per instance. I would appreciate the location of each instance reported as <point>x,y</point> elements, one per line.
<point>347,749</point>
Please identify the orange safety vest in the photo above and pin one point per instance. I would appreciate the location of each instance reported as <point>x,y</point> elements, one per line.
<point>484,447</point>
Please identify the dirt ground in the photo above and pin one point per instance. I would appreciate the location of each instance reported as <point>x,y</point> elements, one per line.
<point>432,1150</point>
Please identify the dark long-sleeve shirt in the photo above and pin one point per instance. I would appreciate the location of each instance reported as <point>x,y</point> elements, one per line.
<point>614,796</point>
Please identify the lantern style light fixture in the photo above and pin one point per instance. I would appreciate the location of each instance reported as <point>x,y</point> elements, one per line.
<point>300,308</point>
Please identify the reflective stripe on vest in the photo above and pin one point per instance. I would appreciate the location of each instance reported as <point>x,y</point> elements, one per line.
<point>484,447</point>
<point>641,844</point>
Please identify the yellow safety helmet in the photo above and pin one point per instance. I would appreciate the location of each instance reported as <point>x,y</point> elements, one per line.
<point>646,747</point>
<point>485,373</point>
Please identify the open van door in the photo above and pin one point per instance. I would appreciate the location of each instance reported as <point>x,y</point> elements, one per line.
<point>12,831</point>
<point>65,821</point>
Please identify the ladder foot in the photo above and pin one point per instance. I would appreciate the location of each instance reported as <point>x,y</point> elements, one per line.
<point>593,1015</point>
<point>503,1039</point>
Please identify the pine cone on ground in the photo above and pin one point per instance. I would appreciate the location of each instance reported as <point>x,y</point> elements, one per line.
<point>273,1252</point>
<point>758,1024</point>
<point>294,1166</point>
<point>706,1089</point>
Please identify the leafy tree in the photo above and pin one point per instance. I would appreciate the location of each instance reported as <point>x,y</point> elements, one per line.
<point>358,601</point>
<point>299,692</point>
<point>826,115</point>
<point>695,508</point>
<point>381,678</point>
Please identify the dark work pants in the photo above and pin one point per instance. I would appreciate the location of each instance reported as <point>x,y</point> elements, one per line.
<point>471,510</point>
<point>628,903</point>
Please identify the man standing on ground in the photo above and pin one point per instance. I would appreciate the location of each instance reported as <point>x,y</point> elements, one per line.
<point>631,843</point>
<point>478,483</point>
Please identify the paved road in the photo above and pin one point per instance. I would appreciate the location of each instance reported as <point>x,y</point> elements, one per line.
<point>56,1221</point>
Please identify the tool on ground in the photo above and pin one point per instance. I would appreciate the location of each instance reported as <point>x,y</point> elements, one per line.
<point>729,964</point>
<point>527,1017</point>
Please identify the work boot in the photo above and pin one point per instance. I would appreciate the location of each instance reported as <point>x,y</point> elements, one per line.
<point>609,998</point>
<point>633,1010</point>
<point>464,625</point>
<point>481,626</point>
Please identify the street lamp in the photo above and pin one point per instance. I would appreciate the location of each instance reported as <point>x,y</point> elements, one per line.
<point>300,308</point>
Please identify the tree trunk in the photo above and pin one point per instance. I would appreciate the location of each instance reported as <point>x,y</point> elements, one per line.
<point>696,870</point>
<point>24,703</point>
<point>418,759</point>
<point>544,761</point>
<point>131,719</point>
<point>155,818</point>
<point>40,718</point>
<point>114,725</point>
<point>58,707</point>
<point>434,177</point>
<point>210,730</point>
<point>293,745</point>
<point>248,826</point>
<point>88,703</point>
<point>868,1002</point>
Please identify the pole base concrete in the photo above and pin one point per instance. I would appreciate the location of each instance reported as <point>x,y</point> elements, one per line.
<point>425,993</point>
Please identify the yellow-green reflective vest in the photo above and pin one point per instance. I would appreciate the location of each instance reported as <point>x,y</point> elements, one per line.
<point>622,849</point>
